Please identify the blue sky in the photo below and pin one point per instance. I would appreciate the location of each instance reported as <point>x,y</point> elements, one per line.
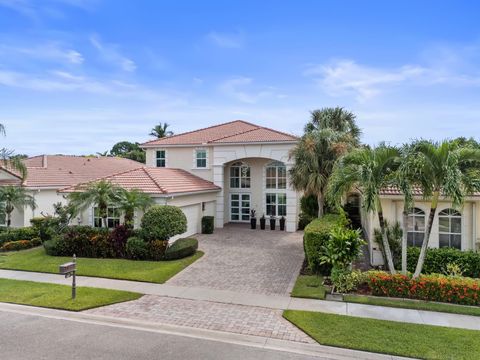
<point>76,76</point>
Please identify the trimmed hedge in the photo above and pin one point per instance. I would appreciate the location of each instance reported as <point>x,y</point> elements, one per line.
<point>208,224</point>
<point>437,260</point>
<point>16,234</point>
<point>20,244</point>
<point>181,248</point>
<point>434,287</point>
<point>161,222</point>
<point>136,249</point>
<point>316,235</point>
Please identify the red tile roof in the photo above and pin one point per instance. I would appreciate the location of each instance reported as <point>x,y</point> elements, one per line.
<point>237,131</point>
<point>59,171</point>
<point>416,191</point>
<point>151,180</point>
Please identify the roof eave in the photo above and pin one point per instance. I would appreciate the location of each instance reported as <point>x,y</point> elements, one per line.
<point>159,146</point>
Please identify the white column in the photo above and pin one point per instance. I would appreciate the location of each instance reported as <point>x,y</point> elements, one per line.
<point>218,179</point>
<point>292,207</point>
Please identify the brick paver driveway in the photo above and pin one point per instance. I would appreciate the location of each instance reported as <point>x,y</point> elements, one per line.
<point>244,260</point>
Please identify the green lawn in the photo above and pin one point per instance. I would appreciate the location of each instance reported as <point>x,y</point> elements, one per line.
<point>309,286</point>
<point>388,337</point>
<point>149,271</point>
<point>59,296</point>
<point>414,304</point>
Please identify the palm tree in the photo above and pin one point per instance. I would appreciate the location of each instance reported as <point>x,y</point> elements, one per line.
<point>15,197</point>
<point>160,131</point>
<point>9,160</point>
<point>443,169</point>
<point>101,194</point>
<point>329,134</point>
<point>367,171</point>
<point>337,119</point>
<point>130,200</point>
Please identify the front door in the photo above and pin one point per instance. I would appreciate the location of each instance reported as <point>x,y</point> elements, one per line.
<point>240,207</point>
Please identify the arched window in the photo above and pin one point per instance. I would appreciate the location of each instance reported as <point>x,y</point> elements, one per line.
<point>416,227</point>
<point>276,175</point>
<point>239,176</point>
<point>450,228</point>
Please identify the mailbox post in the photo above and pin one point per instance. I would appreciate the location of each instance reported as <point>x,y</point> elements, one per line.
<point>70,269</point>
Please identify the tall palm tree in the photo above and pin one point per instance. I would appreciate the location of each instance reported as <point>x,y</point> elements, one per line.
<point>444,169</point>
<point>329,134</point>
<point>367,171</point>
<point>15,197</point>
<point>160,131</point>
<point>130,200</point>
<point>337,119</point>
<point>101,194</point>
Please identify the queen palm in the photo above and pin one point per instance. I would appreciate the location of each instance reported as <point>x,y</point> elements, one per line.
<point>367,171</point>
<point>130,200</point>
<point>15,197</point>
<point>443,169</point>
<point>102,194</point>
<point>160,131</point>
<point>329,134</point>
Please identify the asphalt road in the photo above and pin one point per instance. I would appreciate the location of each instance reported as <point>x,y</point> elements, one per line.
<point>35,337</point>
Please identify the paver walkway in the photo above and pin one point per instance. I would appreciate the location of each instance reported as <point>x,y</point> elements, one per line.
<point>240,319</point>
<point>247,261</point>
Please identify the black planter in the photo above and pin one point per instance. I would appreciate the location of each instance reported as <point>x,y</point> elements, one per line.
<point>262,223</point>
<point>272,224</point>
<point>282,224</point>
<point>253,223</point>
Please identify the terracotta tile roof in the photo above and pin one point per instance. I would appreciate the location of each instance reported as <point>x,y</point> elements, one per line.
<point>237,131</point>
<point>59,171</point>
<point>152,180</point>
<point>416,191</point>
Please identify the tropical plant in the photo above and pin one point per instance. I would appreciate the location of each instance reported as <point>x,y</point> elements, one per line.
<point>101,194</point>
<point>128,150</point>
<point>130,200</point>
<point>394,235</point>
<point>330,134</point>
<point>10,160</point>
<point>160,131</point>
<point>161,222</point>
<point>15,197</point>
<point>342,248</point>
<point>367,171</point>
<point>443,169</point>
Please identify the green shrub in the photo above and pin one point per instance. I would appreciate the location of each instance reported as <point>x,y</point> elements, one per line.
<point>44,226</point>
<point>136,249</point>
<point>161,222</point>
<point>434,287</point>
<point>19,245</point>
<point>316,235</point>
<point>345,281</point>
<point>309,205</point>
<point>181,248</point>
<point>157,249</point>
<point>394,236</point>
<point>436,261</point>
<point>208,224</point>
<point>16,234</point>
<point>84,241</point>
<point>51,247</point>
<point>304,220</point>
<point>342,248</point>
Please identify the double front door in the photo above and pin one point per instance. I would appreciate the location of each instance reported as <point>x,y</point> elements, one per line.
<point>239,207</point>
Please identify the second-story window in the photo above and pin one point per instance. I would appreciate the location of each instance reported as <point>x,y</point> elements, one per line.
<point>239,176</point>
<point>161,158</point>
<point>201,158</point>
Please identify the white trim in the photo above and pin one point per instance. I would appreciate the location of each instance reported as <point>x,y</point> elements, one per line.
<point>165,158</point>
<point>169,195</point>
<point>207,162</point>
<point>144,146</point>
<point>240,207</point>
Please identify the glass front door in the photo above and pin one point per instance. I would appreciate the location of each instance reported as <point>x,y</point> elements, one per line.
<point>239,207</point>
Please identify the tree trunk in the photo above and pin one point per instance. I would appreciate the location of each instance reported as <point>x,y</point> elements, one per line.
<point>321,204</point>
<point>426,236</point>
<point>104,222</point>
<point>9,220</point>
<point>386,245</point>
<point>404,240</point>
<point>128,219</point>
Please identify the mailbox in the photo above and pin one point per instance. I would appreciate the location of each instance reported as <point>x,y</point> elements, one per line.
<point>67,268</point>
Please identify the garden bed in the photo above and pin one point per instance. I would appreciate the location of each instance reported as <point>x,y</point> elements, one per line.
<point>149,271</point>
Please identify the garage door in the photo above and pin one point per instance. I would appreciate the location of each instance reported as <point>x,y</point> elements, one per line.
<point>192,212</point>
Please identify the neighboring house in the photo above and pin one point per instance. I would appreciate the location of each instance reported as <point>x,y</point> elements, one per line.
<point>46,174</point>
<point>194,195</point>
<point>456,228</point>
<point>248,163</point>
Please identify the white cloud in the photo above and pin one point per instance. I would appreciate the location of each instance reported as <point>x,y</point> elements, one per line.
<point>52,51</point>
<point>238,89</point>
<point>110,53</point>
<point>50,8</point>
<point>226,40</point>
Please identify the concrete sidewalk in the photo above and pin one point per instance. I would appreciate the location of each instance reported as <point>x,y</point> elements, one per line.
<point>266,301</point>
